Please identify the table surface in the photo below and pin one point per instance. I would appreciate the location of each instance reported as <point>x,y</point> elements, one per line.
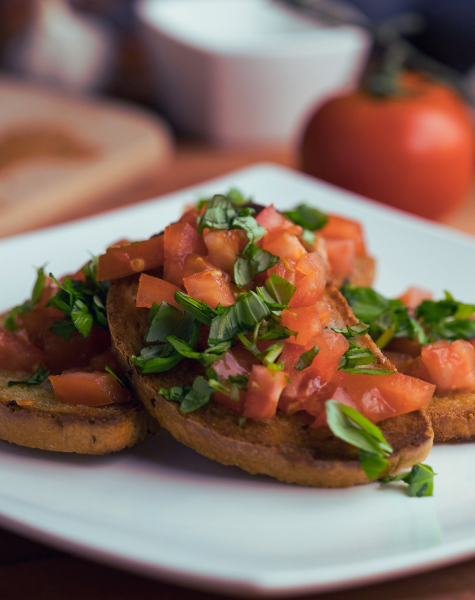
<point>32,570</point>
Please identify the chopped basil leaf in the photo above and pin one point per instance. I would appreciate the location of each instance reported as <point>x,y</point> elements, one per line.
<point>280,289</point>
<point>206,358</point>
<point>270,330</point>
<point>190,399</point>
<point>356,356</point>
<point>254,260</point>
<point>353,331</point>
<point>199,310</point>
<point>64,328</point>
<point>168,320</point>
<point>39,286</point>
<point>365,302</point>
<point>308,217</point>
<point>306,359</point>
<point>349,425</point>
<point>240,317</point>
<point>447,319</point>
<point>363,371</point>
<point>240,381</point>
<point>420,480</point>
<point>372,464</point>
<point>36,379</point>
<point>237,197</point>
<point>218,214</point>
<point>157,359</point>
<point>110,370</point>
<point>242,421</point>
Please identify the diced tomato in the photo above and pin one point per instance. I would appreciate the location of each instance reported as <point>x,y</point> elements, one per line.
<point>99,362</point>
<point>304,321</point>
<point>234,405</point>
<point>154,289</point>
<point>451,365</point>
<point>36,320</point>
<point>381,396</point>
<point>332,347</point>
<point>405,346</point>
<point>339,395</point>
<point>173,271</point>
<point>190,216</point>
<point>413,296</point>
<point>18,354</point>
<point>302,383</point>
<point>209,287</point>
<point>284,244</point>
<point>180,239</point>
<point>339,228</point>
<point>223,246</point>
<point>238,361</point>
<point>285,268</point>
<point>311,287</point>
<point>324,312</point>
<point>341,256</point>
<point>90,389</point>
<point>64,354</point>
<point>122,261</point>
<point>263,392</point>
<point>320,246</point>
<point>271,219</point>
<point>194,263</point>
<point>401,361</point>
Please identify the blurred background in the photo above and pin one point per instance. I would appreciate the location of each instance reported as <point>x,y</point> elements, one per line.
<point>108,102</point>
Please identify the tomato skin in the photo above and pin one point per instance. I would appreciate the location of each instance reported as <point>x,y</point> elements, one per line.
<point>190,216</point>
<point>311,287</point>
<point>238,361</point>
<point>341,228</point>
<point>263,392</point>
<point>99,362</point>
<point>18,354</point>
<point>382,396</point>
<point>89,389</point>
<point>451,366</point>
<point>154,289</point>
<point>210,287</point>
<point>414,151</point>
<point>128,259</point>
<point>285,268</point>
<point>180,239</point>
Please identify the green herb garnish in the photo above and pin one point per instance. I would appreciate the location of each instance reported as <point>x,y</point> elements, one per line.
<point>39,286</point>
<point>307,217</point>
<point>40,375</point>
<point>420,480</point>
<point>306,359</point>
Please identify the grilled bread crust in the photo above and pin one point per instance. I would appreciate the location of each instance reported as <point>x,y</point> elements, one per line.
<point>33,417</point>
<point>286,448</point>
<point>453,417</point>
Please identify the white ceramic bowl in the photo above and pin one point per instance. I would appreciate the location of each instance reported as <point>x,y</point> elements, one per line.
<point>238,71</point>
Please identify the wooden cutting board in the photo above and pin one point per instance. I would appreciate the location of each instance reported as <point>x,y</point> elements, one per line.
<point>58,152</point>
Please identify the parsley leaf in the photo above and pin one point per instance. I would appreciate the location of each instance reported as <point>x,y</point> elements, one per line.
<point>307,217</point>
<point>420,480</point>
<point>40,375</point>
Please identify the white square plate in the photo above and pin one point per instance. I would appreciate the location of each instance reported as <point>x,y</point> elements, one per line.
<point>165,511</point>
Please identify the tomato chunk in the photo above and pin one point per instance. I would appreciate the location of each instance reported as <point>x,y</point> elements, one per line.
<point>190,216</point>
<point>451,366</point>
<point>180,239</point>
<point>341,256</point>
<point>413,296</point>
<point>284,244</point>
<point>311,287</point>
<point>381,396</point>
<point>128,259</point>
<point>90,389</point>
<point>285,268</point>
<point>263,392</point>
<point>339,228</point>
<point>154,289</point>
<point>271,219</point>
<point>18,354</point>
<point>209,287</point>
<point>223,246</point>
<point>304,321</point>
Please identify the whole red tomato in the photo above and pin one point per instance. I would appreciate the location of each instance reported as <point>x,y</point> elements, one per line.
<point>414,151</point>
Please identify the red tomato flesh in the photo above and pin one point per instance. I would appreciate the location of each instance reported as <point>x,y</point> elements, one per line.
<point>223,246</point>
<point>154,289</point>
<point>128,259</point>
<point>263,392</point>
<point>209,287</point>
<point>304,321</point>
<point>413,296</point>
<point>89,389</point>
<point>341,256</point>
<point>451,366</point>
<point>339,228</point>
<point>18,354</point>
<point>284,244</point>
<point>381,396</point>
<point>180,239</point>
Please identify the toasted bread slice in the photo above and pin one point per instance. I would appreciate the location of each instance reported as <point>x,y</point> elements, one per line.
<point>33,417</point>
<point>453,417</point>
<point>286,448</point>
